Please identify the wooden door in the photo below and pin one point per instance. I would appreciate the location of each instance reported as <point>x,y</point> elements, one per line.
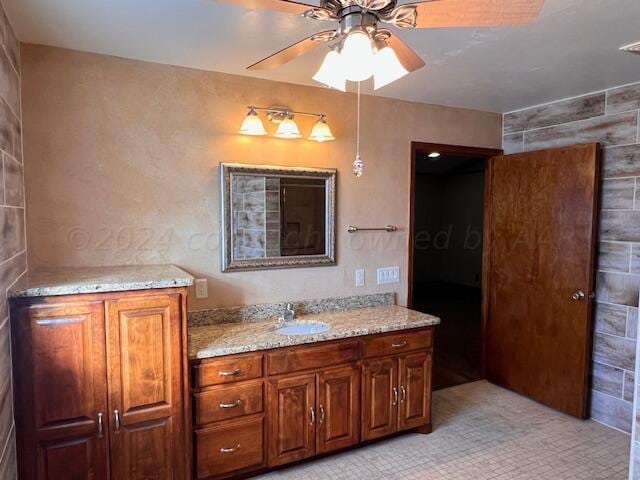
<point>542,211</point>
<point>379,398</point>
<point>61,396</point>
<point>338,408</point>
<point>145,398</point>
<point>414,406</point>
<point>292,418</point>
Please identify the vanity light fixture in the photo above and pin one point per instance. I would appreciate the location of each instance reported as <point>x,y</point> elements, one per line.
<point>434,154</point>
<point>284,117</point>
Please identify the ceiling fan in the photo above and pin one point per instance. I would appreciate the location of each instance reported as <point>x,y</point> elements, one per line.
<point>360,49</point>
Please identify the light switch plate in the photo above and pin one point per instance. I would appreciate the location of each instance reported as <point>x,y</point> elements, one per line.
<point>388,275</point>
<point>360,277</point>
<point>201,288</point>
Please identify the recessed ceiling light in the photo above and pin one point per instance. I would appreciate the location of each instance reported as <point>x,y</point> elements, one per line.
<point>434,154</point>
<point>632,48</point>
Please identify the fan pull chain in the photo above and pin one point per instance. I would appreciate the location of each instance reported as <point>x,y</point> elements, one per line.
<point>358,164</point>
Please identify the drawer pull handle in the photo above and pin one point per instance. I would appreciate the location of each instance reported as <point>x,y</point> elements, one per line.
<point>399,345</point>
<point>231,405</point>
<point>394,401</point>
<point>321,414</point>
<point>229,373</point>
<point>230,449</point>
<point>403,394</point>
<point>313,416</point>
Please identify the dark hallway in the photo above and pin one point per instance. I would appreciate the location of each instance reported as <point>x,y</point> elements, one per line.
<point>447,260</point>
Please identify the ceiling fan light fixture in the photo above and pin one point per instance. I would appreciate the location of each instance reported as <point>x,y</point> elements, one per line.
<point>357,56</point>
<point>288,129</point>
<point>331,73</point>
<point>387,68</point>
<point>321,132</point>
<point>252,124</point>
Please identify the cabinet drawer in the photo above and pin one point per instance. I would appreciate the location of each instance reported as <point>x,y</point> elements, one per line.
<point>305,357</point>
<point>224,402</point>
<point>229,447</point>
<point>397,342</point>
<point>227,369</point>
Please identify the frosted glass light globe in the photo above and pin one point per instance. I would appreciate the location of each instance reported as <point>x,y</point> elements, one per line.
<point>357,56</point>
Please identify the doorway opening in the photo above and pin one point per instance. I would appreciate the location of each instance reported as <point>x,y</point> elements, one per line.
<point>446,254</point>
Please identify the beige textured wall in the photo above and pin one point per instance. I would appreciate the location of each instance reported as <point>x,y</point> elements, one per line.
<point>122,168</point>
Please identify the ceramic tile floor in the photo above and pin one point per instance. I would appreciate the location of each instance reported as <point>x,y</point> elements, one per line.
<point>482,432</point>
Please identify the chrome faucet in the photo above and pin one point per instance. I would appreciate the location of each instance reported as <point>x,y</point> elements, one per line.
<point>289,313</point>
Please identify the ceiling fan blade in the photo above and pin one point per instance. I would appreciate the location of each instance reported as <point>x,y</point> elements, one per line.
<point>287,54</point>
<point>408,58</point>
<point>476,13</point>
<point>285,6</point>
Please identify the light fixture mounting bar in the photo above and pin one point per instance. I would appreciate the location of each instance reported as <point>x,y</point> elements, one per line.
<point>284,112</point>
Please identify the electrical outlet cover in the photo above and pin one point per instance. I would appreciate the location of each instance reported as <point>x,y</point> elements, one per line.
<point>201,288</point>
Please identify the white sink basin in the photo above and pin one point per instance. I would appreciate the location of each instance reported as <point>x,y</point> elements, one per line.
<point>303,328</point>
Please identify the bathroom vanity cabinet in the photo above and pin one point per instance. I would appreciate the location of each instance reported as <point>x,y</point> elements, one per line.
<point>100,385</point>
<point>255,411</point>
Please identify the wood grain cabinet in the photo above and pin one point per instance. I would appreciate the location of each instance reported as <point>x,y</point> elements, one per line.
<point>318,399</point>
<point>99,386</point>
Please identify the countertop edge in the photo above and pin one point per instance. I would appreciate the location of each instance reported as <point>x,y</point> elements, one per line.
<point>101,288</point>
<point>91,280</point>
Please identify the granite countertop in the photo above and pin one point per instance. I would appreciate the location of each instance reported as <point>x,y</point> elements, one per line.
<point>229,338</point>
<point>70,280</point>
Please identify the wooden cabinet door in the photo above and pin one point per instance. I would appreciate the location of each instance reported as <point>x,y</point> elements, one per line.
<point>60,381</point>
<point>338,408</point>
<point>145,396</point>
<point>414,406</point>
<point>292,418</point>
<point>379,398</point>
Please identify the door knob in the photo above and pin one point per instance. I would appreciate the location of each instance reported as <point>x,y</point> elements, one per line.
<point>579,295</point>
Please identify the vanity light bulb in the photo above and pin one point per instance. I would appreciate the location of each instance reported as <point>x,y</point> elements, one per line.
<point>321,132</point>
<point>288,129</point>
<point>252,124</point>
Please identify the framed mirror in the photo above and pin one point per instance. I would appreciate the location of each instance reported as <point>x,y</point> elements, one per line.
<point>277,217</point>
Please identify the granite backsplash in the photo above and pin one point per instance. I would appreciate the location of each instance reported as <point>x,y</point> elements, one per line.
<point>271,311</point>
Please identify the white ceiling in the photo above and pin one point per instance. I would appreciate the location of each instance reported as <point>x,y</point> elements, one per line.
<point>572,49</point>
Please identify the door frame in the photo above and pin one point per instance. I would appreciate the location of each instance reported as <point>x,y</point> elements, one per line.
<point>460,151</point>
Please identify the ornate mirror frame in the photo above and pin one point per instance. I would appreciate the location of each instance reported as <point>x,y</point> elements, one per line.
<point>229,264</point>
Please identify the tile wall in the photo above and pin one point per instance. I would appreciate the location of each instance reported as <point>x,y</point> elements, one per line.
<point>12,233</point>
<point>612,118</point>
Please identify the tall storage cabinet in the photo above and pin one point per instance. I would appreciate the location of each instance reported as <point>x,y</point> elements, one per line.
<point>100,386</point>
